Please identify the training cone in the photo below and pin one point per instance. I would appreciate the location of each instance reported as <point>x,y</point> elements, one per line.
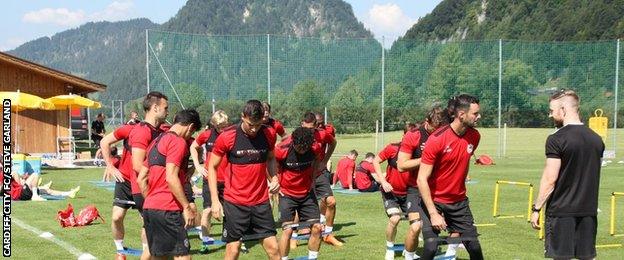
<point>484,160</point>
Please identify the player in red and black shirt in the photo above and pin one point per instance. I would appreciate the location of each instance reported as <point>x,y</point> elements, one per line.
<point>322,184</point>
<point>393,190</point>
<point>408,160</point>
<point>328,128</point>
<point>135,138</point>
<point>205,141</point>
<point>164,181</point>
<point>442,178</point>
<point>273,123</point>
<point>345,169</point>
<point>297,157</point>
<point>364,180</point>
<point>248,147</point>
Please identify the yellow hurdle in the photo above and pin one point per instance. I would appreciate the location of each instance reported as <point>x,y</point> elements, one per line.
<point>612,221</point>
<point>496,193</point>
<point>542,221</point>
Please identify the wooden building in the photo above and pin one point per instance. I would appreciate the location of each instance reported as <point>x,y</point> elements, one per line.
<point>39,129</point>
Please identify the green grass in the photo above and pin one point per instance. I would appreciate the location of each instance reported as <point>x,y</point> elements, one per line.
<point>360,219</point>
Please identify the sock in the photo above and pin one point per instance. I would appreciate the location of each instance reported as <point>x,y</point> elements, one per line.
<point>294,235</point>
<point>323,218</point>
<point>313,254</point>
<point>145,247</point>
<point>409,255</point>
<point>389,245</point>
<point>451,250</point>
<point>119,244</point>
<point>284,257</point>
<point>328,229</point>
<point>207,239</point>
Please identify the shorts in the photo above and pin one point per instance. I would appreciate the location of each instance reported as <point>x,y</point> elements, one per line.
<point>570,237</point>
<point>166,235</point>
<point>252,222</point>
<point>457,216</point>
<point>26,193</point>
<point>322,185</point>
<point>414,201</point>
<point>306,207</point>
<point>393,204</point>
<point>206,193</point>
<point>122,195</point>
<point>138,200</point>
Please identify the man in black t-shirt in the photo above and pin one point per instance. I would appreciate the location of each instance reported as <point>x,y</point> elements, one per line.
<point>569,185</point>
<point>97,129</point>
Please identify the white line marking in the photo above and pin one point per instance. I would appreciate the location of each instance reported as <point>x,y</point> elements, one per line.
<point>47,235</point>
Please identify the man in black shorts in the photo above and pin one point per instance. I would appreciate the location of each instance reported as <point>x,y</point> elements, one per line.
<point>297,157</point>
<point>570,182</point>
<point>163,180</point>
<point>248,147</point>
<point>442,178</point>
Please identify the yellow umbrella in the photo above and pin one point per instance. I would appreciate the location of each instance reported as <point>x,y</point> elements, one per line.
<point>68,101</point>
<point>21,101</point>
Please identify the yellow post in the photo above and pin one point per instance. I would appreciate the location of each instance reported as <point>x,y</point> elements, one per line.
<point>612,221</point>
<point>542,221</point>
<point>530,203</point>
<point>495,200</point>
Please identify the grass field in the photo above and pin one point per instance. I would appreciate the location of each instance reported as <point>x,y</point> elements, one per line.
<point>360,220</point>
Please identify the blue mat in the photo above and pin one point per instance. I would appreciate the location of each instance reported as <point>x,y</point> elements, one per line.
<point>307,236</point>
<point>103,183</point>
<point>473,181</point>
<point>52,197</point>
<point>131,251</point>
<point>352,192</point>
<point>301,258</point>
<point>214,243</point>
<point>398,247</point>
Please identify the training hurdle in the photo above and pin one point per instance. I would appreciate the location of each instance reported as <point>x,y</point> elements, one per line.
<point>612,215</point>
<point>529,203</point>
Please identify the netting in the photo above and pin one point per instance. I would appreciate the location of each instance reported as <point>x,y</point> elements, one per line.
<point>347,77</point>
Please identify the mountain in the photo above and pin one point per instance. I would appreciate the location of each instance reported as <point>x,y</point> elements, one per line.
<point>112,53</point>
<point>531,20</point>
<point>317,18</point>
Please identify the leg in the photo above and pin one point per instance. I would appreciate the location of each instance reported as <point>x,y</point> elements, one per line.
<point>231,250</point>
<point>330,210</point>
<point>117,222</point>
<point>284,246</point>
<point>205,222</point>
<point>271,248</point>
<point>146,253</point>
<point>391,228</point>
<point>314,244</point>
<point>411,240</point>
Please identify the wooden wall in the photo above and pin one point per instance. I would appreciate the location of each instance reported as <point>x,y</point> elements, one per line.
<point>38,129</point>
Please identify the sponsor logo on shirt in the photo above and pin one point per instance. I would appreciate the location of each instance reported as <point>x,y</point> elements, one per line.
<point>447,149</point>
<point>251,153</point>
<point>470,148</point>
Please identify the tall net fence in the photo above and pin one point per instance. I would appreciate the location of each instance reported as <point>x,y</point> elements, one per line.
<point>363,85</point>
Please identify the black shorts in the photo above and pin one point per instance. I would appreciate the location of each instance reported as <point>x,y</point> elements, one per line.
<point>322,185</point>
<point>393,204</point>
<point>122,195</point>
<point>26,193</point>
<point>252,222</point>
<point>306,207</point>
<point>206,193</point>
<point>166,235</point>
<point>457,216</point>
<point>570,237</point>
<point>138,200</point>
<point>414,201</point>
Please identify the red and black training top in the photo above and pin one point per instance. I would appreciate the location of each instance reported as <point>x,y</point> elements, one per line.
<point>450,155</point>
<point>276,126</point>
<point>140,137</point>
<point>363,175</point>
<point>344,171</point>
<point>296,170</point>
<point>246,175</point>
<point>397,179</point>
<point>413,143</point>
<point>207,140</point>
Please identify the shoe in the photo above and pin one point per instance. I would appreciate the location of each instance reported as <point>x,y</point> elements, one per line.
<point>120,256</point>
<point>72,192</point>
<point>244,249</point>
<point>204,250</point>
<point>389,255</point>
<point>331,239</point>
<point>293,244</point>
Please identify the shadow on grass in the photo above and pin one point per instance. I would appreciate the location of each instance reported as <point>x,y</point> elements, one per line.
<point>339,226</point>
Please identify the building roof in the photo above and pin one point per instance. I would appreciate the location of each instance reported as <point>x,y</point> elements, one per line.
<point>75,81</point>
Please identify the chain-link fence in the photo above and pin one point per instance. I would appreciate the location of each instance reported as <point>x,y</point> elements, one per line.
<point>362,84</point>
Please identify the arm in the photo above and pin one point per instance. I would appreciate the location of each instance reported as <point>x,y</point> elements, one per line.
<point>335,178</point>
<point>173,182</point>
<point>330,151</point>
<point>406,163</point>
<point>351,176</point>
<point>272,172</point>
<point>138,156</point>
<point>105,144</point>
<point>387,187</point>
<point>195,150</point>
<point>437,221</point>
<point>213,163</point>
<point>142,180</point>
<point>547,185</point>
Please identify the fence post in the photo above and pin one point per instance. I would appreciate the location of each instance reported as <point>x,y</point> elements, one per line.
<point>383,88</point>
<point>147,60</point>
<point>617,74</point>
<point>268,68</point>
<point>500,87</point>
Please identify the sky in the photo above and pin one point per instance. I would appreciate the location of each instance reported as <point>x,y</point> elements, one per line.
<point>25,20</point>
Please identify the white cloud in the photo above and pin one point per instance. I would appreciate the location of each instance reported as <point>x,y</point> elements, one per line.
<point>11,43</point>
<point>388,20</point>
<point>117,10</point>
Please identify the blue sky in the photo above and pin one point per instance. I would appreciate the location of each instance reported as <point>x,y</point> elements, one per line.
<point>25,20</point>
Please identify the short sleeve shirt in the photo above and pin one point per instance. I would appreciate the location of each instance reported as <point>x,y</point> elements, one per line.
<point>397,179</point>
